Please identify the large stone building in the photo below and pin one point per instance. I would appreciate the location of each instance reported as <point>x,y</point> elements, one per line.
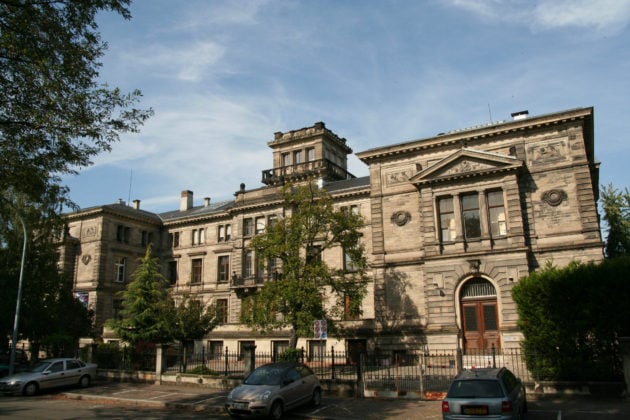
<point>453,222</point>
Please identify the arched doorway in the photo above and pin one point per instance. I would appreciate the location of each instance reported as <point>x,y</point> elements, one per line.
<point>480,321</point>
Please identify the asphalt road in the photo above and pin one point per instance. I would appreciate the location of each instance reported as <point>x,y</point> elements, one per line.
<point>144,402</point>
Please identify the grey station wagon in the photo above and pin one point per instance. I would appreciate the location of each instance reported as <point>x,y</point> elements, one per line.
<point>485,393</point>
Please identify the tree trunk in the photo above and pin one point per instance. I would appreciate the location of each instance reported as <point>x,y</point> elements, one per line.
<point>293,339</point>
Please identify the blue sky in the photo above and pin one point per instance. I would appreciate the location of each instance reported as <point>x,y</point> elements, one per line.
<point>223,76</point>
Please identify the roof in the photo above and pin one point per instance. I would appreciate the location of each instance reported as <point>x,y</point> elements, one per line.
<point>347,185</point>
<point>485,131</point>
<point>197,211</point>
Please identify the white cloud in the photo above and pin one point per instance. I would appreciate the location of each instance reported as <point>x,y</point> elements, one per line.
<point>601,16</point>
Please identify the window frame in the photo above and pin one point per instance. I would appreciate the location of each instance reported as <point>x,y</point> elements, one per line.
<point>223,269</point>
<point>196,271</point>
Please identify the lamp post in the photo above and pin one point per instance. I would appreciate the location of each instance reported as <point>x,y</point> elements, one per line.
<point>16,320</point>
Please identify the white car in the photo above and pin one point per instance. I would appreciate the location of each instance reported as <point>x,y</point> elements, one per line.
<point>49,373</point>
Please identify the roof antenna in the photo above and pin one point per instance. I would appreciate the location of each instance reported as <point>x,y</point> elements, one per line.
<point>130,179</point>
<point>490,112</point>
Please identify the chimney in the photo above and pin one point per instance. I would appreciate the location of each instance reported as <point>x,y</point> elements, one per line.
<point>186,201</point>
<point>136,204</point>
<point>520,115</point>
<point>206,201</point>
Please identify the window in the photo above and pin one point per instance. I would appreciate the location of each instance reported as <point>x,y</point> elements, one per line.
<point>172,272</point>
<point>117,308</point>
<point>260,225</point>
<point>272,269</point>
<point>147,238</point>
<point>470,216</point>
<point>222,310</point>
<point>120,263</point>
<point>310,154</point>
<point>447,219</point>
<point>279,347</point>
<point>496,212</point>
<point>224,269</point>
<point>248,227</point>
<point>123,233</point>
<point>174,239</point>
<point>316,349</point>
<point>286,159</point>
<point>348,314</point>
<point>195,271</point>
<point>297,157</point>
<point>225,232</point>
<point>272,220</point>
<point>248,269</point>
<point>348,264</point>
<point>215,349</point>
<point>314,254</point>
<point>198,236</point>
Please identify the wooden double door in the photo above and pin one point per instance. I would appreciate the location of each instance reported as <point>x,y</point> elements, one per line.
<point>481,324</point>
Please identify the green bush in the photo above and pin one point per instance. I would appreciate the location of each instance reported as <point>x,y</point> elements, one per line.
<point>293,355</point>
<point>202,370</point>
<point>572,317</point>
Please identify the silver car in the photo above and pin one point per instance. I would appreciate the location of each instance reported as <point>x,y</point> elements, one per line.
<point>49,373</point>
<point>272,389</point>
<point>485,393</point>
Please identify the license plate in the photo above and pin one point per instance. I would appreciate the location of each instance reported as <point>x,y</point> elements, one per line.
<point>241,406</point>
<point>475,410</point>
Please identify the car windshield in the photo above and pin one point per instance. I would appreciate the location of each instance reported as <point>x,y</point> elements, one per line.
<point>475,389</point>
<point>265,375</point>
<point>39,366</point>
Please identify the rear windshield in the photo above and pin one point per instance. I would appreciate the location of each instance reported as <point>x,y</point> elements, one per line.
<point>475,389</point>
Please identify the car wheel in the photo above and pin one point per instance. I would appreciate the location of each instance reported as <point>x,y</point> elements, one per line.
<point>276,411</point>
<point>30,389</point>
<point>316,399</point>
<point>84,382</point>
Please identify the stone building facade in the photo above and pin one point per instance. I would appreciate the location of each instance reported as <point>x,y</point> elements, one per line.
<point>453,222</point>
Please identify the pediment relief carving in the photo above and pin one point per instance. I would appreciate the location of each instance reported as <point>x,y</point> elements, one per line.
<point>464,164</point>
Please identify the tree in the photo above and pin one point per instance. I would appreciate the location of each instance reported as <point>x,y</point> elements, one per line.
<point>191,320</point>
<point>146,305</point>
<point>50,314</point>
<point>572,318</point>
<point>307,289</point>
<point>54,114</point>
<point>616,206</point>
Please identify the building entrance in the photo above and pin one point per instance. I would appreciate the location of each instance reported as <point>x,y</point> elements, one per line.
<point>479,316</point>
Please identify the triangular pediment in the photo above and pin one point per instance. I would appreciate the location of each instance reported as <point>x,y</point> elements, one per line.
<point>466,163</point>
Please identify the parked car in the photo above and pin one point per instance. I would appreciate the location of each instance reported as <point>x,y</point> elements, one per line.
<point>273,389</point>
<point>49,373</point>
<point>485,393</point>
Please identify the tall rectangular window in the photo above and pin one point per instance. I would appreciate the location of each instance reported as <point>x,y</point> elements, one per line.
<point>348,264</point>
<point>496,212</point>
<point>215,349</point>
<point>310,154</point>
<point>223,275</point>
<point>172,272</point>
<point>120,264</point>
<point>222,310</point>
<point>174,239</point>
<point>447,219</point>
<point>198,236</point>
<point>297,157</point>
<point>348,313</point>
<point>286,159</point>
<point>248,227</point>
<point>314,254</point>
<point>195,271</point>
<point>470,216</point>
<point>248,269</point>
<point>260,225</point>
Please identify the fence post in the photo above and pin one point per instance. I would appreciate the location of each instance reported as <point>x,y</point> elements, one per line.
<point>359,392</point>
<point>159,362</point>
<point>332,351</point>
<point>460,359</point>
<point>494,359</point>
<point>226,361</point>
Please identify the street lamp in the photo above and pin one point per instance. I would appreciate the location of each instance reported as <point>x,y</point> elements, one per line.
<point>19,299</point>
